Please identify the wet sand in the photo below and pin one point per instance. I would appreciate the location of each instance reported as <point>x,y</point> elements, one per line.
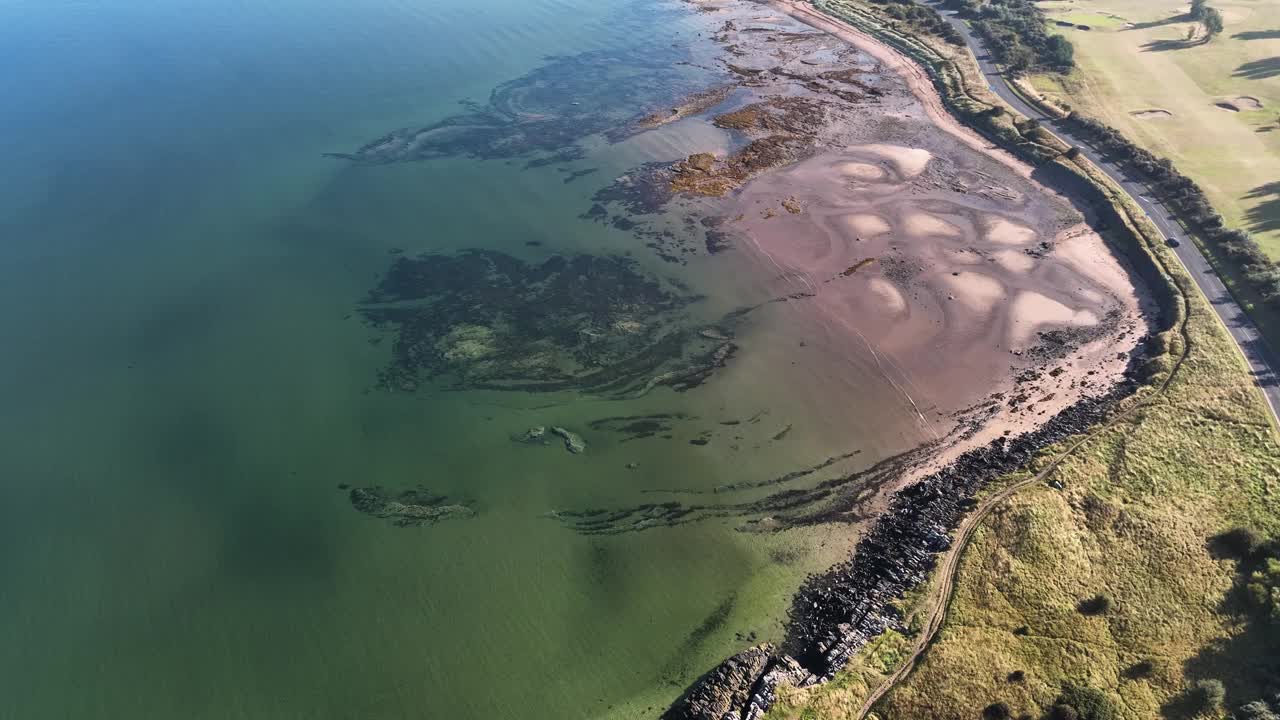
<point>907,249</point>
<point>921,254</point>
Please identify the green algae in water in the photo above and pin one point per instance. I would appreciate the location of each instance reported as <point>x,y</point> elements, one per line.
<point>586,323</point>
<point>184,391</point>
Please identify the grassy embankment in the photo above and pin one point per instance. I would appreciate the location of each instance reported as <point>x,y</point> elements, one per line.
<point>1135,72</point>
<point>1193,455</point>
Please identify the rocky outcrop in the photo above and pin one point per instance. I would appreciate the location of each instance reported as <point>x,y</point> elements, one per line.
<point>740,688</point>
<point>573,442</point>
<point>722,693</point>
<point>538,435</point>
<point>837,612</point>
<point>410,508</point>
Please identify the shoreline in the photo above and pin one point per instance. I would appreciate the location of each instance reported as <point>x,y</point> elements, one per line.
<point>835,613</point>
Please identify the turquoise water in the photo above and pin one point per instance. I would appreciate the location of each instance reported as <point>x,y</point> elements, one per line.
<point>187,381</point>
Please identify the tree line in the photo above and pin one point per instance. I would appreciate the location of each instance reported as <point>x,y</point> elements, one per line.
<point>1015,33</point>
<point>921,18</point>
<point>1176,190</point>
<point>1188,200</point>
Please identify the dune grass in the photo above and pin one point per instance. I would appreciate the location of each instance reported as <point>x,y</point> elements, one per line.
<point>1131,523</point>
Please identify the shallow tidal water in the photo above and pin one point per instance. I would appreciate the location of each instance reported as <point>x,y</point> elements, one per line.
<point>187,379</point>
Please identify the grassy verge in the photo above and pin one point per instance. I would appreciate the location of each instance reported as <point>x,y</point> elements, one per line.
<point>1126,518</point>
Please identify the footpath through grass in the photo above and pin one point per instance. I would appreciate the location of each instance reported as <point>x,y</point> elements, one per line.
<point>1102,578</point>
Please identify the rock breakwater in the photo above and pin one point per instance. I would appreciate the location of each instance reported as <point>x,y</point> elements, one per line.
<point>837,612</point>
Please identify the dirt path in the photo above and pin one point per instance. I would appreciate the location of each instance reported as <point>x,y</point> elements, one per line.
<point>940,596</point>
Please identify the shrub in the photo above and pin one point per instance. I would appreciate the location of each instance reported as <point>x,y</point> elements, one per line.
<point>1263,589</point>
<point>1063,712</point>
<point>1140,669</point>
<point>1088,703</point>
<point>1097,605</point>
<point>1206,696</point>
<point>1017,676</point>
<point>996,711</point>
<point>1239,543</point>
<point>1256,710</point>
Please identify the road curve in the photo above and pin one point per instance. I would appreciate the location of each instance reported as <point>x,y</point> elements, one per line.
<point>1262,359</point>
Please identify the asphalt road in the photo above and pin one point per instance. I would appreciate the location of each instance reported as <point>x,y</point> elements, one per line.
<point>1261,358</point>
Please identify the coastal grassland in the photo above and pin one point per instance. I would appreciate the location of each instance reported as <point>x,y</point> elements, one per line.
<point>1132,521</point>
<point>1127,517</point>
<point>1138,60</point>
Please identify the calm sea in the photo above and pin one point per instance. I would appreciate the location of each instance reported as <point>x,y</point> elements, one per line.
<point>186,379</point>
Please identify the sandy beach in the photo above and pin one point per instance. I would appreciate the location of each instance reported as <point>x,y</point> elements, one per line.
<point>907,243</point>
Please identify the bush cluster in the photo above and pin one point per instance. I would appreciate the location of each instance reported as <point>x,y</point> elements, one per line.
<point>1083,702</point>
<point>921,18</point>
<point>1259,710</point>
<point>1014,31</point>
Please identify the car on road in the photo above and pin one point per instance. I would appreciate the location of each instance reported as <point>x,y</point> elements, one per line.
<point>1172,242</point>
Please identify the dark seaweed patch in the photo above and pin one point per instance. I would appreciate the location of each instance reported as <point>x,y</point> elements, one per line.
<point>838,499</point>
<point>410,508</point>
<point>637,427</point>
<point>549,110</point>
<point>585,322</point>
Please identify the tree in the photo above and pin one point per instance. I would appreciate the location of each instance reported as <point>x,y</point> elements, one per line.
<point>1198,8</point>
<point>1060,52</point>
<point>1212,21</point>
<point>1019,59</point>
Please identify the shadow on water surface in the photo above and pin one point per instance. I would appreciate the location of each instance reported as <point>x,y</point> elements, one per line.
<point>263,535</point>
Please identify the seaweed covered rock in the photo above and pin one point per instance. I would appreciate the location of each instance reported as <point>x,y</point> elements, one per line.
<point>486,319</point>
<point>573,442</point>
<point>725,691</point>
<point>410,508</point>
